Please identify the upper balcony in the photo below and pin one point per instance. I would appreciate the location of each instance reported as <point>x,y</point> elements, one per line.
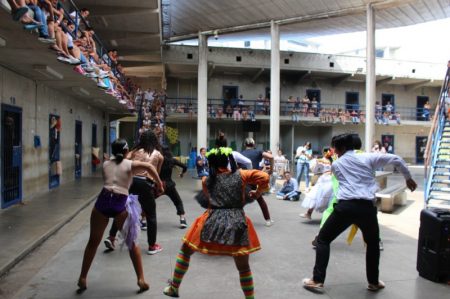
<point>182,62</point>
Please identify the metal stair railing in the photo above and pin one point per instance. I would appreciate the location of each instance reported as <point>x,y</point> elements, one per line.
<point>435,138</point>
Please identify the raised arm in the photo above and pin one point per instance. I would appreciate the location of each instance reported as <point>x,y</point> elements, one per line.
<point>243,160</point>
<point>379,160</point>
<point>138,166</point>
<point>258,178</point>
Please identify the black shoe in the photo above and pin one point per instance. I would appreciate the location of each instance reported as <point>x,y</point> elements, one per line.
<point>183,223</point>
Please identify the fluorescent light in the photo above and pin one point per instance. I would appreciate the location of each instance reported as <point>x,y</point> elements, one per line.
<point>104,21</point>
<point>47,71</point>
<point>113,43</point>
<point>100,101</point>
<point>2,42</point>
<point>80,91</point>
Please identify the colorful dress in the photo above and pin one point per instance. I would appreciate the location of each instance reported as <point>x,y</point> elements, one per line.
<point>224,229</point>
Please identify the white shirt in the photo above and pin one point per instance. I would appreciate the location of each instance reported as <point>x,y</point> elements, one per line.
<point>355,173</point>
<point>241,159</point>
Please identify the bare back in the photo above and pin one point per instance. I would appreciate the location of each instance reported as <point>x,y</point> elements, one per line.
<point>117,177</point>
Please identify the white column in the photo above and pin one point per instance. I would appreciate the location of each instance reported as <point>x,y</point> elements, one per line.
<point>202,92</point>
<point>370,78</point>
<point>274,87</point>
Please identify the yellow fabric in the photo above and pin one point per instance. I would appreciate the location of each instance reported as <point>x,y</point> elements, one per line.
<point>352,234</point>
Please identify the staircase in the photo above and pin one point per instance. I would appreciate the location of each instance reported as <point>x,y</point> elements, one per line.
<point>437,156</point>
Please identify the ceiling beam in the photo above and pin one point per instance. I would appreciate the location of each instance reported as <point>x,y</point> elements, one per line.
<point>112,11</point>
<point>384,81</point>
<point>211,69</point>
<point>357,10</point>
<point>303,76</point>
<point>410,87</point>
<point>336,81</point>
<point>256,76</point>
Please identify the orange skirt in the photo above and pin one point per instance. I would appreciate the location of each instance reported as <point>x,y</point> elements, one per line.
<point>193,240</point>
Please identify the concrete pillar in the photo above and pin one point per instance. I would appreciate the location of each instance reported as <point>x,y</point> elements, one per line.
<point>274,87</point>
<point>202,97</point>
<point>370,79</point>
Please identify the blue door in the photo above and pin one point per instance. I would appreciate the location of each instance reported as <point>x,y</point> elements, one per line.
<point>54,145</point>
<point>11,181</point>
<point>78,148</point>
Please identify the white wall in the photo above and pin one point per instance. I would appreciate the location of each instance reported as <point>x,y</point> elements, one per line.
<point>37,102</point>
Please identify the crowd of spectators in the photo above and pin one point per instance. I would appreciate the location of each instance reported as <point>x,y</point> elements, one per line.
<point>152,104</point>
<point>75,43</point>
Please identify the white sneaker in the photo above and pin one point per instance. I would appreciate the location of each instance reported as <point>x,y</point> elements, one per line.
<point>280,197</point>
<point>305,215</point>
<point>269,223</point>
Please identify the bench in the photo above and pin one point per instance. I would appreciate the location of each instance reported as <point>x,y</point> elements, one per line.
<point>392,195</point>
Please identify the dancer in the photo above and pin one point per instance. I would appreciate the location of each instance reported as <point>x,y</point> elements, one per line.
<point>256,156</point>
<point>223,229</point>
<point>169,186</point>
<point>114,202</point>
<point>147,150</point>
<point>321,193</point>
<point>356,205</point>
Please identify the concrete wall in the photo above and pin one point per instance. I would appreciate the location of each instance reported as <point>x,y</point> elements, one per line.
<point>37,102</point>
<point>187,88</point>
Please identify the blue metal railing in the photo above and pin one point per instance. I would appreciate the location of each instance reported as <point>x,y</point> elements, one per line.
<point>189,105</point>
<point>435,135</point>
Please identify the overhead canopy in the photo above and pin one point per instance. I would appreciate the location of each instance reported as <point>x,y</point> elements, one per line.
<point>134,27</point>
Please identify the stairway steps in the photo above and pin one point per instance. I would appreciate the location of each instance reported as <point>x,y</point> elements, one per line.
<point>440,197</point>
<point>438,181</point>
<point>443,160</point>
<point>442,173</point>
<point>440,189</point>
<point>442,166</point>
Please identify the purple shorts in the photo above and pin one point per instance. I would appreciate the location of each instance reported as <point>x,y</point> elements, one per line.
<point>110,204</point>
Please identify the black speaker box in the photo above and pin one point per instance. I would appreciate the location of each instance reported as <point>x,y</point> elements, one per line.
<point>433,254</point>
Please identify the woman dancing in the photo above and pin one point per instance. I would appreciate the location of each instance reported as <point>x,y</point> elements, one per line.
<point>223,229</point>
<point>147,150</point>
<point>114,202</point>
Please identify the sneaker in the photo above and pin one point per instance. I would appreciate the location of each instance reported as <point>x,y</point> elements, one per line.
<point>313,286</point>
<point>154,249</point>
<point>183,223</point>
<point>171,291</point>
<point>79,70</point>
<point>269,223</point>
<point>376,287</point>
<point>63,59</point>
<point>74,61</point>
<point>143,225</point>
<point>305,215</point>
<point>280,197</point>
<point>47,40</point>
<point>109,244</point>
<point>102,85</point>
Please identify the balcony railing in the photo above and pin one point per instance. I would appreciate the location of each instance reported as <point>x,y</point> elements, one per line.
<point>219,106</point>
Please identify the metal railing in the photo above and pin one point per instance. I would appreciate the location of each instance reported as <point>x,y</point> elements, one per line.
<point>435,135</point>
<point>189,105</point>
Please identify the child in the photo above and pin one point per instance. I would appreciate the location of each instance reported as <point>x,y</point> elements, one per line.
<point>223,229</point>
<point>114,202</point>
<point>356,205</point>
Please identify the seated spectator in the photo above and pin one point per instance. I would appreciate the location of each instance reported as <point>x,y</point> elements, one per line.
<point>305,104</point>
<point>219,112</point>
<point>289,189</point>
<point>241,101</point>
<point>355,118</point>
<point>202,163</point>
<point>76,17</point>
<point>259,105</point>
<point>245,113</point>
<point>229,111</point>
<point>236,113</point>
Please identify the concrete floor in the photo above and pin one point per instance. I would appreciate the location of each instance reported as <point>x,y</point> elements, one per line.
<point>286,257</point>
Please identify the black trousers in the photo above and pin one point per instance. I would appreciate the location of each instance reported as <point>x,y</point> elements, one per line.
<point>346,212</point>
<point>146,196</point>
<point>172,192</point>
